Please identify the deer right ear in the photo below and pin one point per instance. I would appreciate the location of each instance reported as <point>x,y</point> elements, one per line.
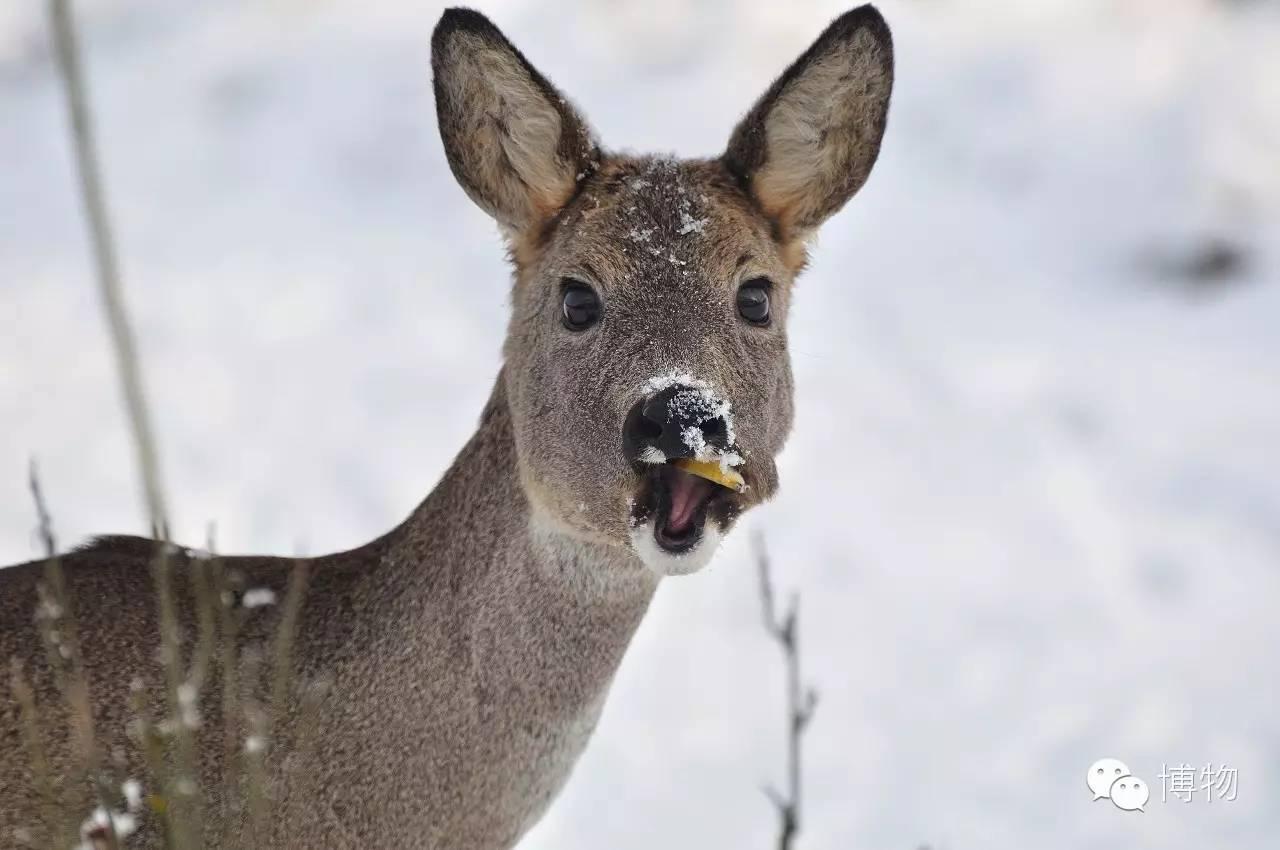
<point>809,143</point>
<point>514,143</point>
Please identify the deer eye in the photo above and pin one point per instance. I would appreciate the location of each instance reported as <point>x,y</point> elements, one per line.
<point>580,306</point>
<point>753,301</point>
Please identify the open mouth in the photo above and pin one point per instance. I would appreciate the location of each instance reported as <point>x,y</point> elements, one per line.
<point>679,503</point>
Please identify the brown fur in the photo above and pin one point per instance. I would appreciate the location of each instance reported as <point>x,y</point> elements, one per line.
<point>470,649</point>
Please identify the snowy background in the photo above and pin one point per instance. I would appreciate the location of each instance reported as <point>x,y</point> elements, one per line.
<point>1032,503</point>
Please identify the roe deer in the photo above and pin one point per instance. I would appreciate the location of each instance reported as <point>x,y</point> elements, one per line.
<point>644,394</point>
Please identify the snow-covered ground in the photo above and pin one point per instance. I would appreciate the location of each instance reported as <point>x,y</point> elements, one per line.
<point>1032,502</point>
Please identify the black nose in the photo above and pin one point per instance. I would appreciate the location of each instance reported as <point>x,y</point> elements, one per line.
<point>680,421</point>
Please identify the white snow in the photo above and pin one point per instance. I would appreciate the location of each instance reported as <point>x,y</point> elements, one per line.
<point>693,437</point>
<point>703,402</point>
<point>1031,501</point>
<point>188,708</point>
<point>122,823</point>
<point>258,597</point>
<point>689,224</point>
<point>132,791</point>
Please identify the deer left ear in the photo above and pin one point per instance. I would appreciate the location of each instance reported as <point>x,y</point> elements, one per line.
<point>514,143</point>
<point>808,145</point>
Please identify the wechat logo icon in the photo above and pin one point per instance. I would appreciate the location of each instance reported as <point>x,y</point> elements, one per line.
<point>1111,779</point>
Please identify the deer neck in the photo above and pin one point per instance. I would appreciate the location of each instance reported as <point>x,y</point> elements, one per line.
<point>526,606</point>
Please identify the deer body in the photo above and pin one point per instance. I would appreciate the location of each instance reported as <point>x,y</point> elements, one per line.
<point>468,652</point>
<point>494,648</point>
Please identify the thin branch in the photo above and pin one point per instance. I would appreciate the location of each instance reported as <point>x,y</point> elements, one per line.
<point>25,697</point>
<point>254,754</point>
<point>182,812</point>
<point>282,648</point>
<point>57,624</point>
<point>801,701</point>
<point>229,624</point>
<point>107,264</point>
<point>181,819</point>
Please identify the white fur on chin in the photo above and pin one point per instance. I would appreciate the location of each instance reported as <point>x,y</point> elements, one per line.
<point>665,563</point>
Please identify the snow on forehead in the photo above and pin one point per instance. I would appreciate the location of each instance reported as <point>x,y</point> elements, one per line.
<point>662,192</point>
<point>663,213</point>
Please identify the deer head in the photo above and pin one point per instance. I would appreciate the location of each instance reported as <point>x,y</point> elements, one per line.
<point>650,297</point>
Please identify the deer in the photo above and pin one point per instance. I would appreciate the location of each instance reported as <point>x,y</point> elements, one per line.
<point>644,394</point>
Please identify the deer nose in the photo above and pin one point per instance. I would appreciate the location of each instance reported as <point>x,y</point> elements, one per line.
<point>679,421</point>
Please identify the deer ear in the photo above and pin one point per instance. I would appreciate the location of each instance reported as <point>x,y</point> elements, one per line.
<point>808,145</point>
<point>514,143</point>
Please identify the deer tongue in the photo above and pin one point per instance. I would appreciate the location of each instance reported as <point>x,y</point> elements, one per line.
<point>688,493</point>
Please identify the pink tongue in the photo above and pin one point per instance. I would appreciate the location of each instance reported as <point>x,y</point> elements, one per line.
<point>687,493</point>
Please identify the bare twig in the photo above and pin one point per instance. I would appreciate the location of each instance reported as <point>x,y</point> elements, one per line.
<point>801,701</point>
<point>181,814</point>
<point>57,625</point>
<point>229,621</point>
<point>201,573</point>
<point>254,754</point>
<point>282,648</point>
<point>25,697</point>
<point>104,252</point>
<point>169,743</point>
